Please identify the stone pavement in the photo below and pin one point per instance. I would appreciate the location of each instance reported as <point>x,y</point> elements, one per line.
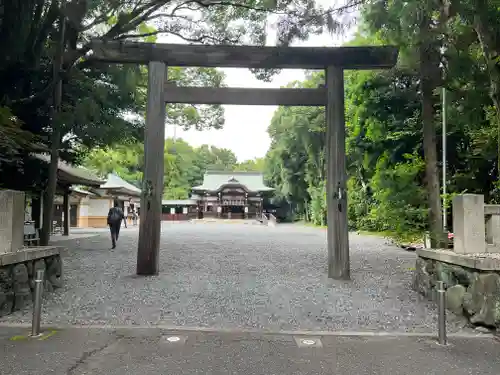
<point>148,351</point>
<point>239,277</point>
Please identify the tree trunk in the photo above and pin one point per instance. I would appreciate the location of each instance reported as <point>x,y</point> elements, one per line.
<point>490,52</point>
<point>50,192</point>
<point>427,69</point>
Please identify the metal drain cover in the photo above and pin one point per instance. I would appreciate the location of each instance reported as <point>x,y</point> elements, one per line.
<point>308,342</point>
<point>173,339</point>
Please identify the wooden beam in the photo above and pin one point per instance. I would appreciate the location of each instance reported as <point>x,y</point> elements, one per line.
<point>245,96</point>
<point>225,56</point>
<point>152,189</point>
<point>336,188</point>
<point>66,209</point>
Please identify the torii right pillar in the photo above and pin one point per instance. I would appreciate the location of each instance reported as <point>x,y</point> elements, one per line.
<point>336,177</point>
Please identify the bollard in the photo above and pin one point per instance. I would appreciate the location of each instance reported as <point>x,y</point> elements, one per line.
<point>37,303</point>
<point>441,294</point>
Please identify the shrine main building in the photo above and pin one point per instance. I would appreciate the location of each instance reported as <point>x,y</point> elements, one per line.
<point>225,195</point>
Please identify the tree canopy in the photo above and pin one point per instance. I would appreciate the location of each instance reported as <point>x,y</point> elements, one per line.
<point>393,121</point>
<point>53,91</point>
<point>104,104</point>
<point>184,165</point>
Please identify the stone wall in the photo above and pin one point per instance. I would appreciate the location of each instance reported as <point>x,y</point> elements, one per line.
<point>473,284</point>
<point>17,278</point>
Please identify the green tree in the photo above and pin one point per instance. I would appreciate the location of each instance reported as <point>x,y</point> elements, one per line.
<point>30,34</point>
<point>386,151</point>
<point>253,165</point>
<point>184,165</point>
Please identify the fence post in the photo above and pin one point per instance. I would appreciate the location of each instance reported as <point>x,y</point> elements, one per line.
<point>37,303</point>
<point>441,293</point>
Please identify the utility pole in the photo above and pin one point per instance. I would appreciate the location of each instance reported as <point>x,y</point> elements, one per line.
<point>444,110</point>
<point>444,113</point>
<point>48,202</point>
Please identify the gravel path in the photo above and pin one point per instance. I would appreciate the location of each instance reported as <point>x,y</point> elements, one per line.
<point>239,276</point>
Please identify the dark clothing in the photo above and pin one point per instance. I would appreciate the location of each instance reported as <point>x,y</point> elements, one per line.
<point>115,232</point>
<point>115,217</point>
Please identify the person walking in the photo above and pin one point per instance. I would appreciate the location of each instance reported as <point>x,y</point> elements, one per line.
<point>125,220</point>
<point>134,217</point>
<point>115,217</point>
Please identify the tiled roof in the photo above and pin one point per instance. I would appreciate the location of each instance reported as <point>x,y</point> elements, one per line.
<point>252,181</point>
<point>81,191</point>
<point>119,185</point>
<point>72,175</point>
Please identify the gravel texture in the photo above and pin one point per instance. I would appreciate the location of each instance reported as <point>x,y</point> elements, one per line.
<point>239,276</point>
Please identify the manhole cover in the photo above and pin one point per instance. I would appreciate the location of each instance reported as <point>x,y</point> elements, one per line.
<point>308,342</point>
<point>173,339</point>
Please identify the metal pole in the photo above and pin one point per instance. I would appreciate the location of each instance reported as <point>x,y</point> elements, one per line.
<point>444,110</point>
<point>442,313</point>
<point>37,304</point>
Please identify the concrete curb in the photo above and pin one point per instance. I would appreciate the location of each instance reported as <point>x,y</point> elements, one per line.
<point>255,331</point>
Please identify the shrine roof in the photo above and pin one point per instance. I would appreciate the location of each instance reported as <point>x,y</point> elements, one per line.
<point>118,185</point>
<point>250,181</point>
<point>72,175</point>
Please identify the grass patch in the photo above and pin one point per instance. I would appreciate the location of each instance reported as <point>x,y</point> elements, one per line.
<point>309,224</point>
<point>399,238</point>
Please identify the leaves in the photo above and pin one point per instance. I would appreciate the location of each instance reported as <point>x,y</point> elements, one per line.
<point>384,142</point>
<point>184,165</point>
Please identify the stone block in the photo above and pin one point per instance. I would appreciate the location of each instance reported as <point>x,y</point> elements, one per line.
<point>6,291</point>
<point>29,254</point>
<point>455,299</point>
<point>468,224</point>
<point>11,220</point>
<point>444,273</point>
<point>54,271</point>
<point>482,300</point>
<point>21,286</point>
<point>422,278</point>
<point>493,233</point>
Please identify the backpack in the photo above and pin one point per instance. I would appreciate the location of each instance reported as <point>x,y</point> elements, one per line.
<point>115,215</point>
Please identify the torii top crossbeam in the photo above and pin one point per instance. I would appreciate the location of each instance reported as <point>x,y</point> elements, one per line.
<point>226,56</point>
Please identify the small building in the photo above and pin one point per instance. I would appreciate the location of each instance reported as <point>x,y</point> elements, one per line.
<point>94,204</point>
<point>66,199</point>
<point>231,195</point>
<point>86,197</point>
<point>179,210</point>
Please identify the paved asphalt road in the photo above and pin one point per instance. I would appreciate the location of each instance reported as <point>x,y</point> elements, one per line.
<point>87,351</point>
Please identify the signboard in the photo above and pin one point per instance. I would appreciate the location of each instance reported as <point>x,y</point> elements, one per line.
<point>185,210</point>
<point>246,209</point>
<point>219,209</point>
<point>172,210</point>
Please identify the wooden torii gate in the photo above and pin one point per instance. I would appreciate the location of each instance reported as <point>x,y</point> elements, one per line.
<point>333,60</point>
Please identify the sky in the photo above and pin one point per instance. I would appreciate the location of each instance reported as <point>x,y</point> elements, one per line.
<point>245,129</point>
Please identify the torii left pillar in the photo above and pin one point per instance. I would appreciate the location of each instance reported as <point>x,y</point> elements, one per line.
<point>336,177</point>
<point>152,186</point>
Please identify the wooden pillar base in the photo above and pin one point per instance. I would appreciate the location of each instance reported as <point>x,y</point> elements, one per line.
<point>66,219</point>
